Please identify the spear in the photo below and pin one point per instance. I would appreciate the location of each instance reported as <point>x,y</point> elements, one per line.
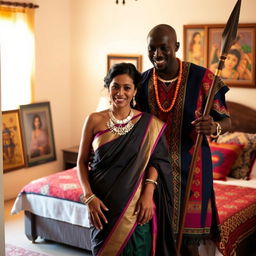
<point>228,38</point>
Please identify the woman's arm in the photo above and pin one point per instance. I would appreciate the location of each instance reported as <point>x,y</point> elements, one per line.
<point>95,205</point>
<point>145,205</point>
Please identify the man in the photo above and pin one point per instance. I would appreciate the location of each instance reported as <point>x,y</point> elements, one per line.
<point>176,92</point>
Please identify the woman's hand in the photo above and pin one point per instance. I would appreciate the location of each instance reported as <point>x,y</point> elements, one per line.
<point>96,215</point>
<point>144,207</point>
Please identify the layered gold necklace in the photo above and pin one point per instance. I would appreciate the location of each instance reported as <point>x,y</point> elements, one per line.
<point>120,127</point>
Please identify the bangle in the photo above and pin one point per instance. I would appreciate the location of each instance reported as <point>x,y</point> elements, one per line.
<point>218,132</point>
<point>89,199</point>
<point>151,181</point>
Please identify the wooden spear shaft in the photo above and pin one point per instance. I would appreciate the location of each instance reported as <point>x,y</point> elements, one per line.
<point>228,37</point>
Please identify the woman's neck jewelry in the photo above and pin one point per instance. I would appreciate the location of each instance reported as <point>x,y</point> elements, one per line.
<point>120,127</point>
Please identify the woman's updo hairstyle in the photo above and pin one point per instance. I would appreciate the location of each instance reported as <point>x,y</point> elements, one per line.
<point>120,69</point>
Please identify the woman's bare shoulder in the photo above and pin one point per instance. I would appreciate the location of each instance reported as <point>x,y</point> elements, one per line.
<point>97,120</point>
<point>98,116</point>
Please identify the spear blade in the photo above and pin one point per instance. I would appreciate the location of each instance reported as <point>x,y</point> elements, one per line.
<point>230,30</point>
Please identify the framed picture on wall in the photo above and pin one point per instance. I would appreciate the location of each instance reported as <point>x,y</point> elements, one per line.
<point>38,133</point>
<point>13,149</point>
<point>239,66</point>
<point>195,40</point>
<point>130,58</point>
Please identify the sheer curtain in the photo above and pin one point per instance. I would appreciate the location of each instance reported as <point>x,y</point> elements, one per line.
<point>17,45</point>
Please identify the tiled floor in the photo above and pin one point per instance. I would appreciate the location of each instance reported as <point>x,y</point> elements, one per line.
<point>14,234</point>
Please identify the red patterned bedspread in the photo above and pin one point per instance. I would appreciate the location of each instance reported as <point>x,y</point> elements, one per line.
<point>236,205</point>
<point>64,185</point>
<point>237,211</point>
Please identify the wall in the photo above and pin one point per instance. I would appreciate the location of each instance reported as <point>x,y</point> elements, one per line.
<point>101,27</point>
<point>73,39</point>
<point>52,25</point>
<point>2,238</point>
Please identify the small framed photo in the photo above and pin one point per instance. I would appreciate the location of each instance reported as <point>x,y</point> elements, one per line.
<point>38,133</point>
<point>13,149</point>
<point>239,66</point>
<point>118,58</point>
<point>195,44</point>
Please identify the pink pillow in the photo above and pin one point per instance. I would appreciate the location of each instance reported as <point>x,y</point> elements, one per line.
<point>223,157</point>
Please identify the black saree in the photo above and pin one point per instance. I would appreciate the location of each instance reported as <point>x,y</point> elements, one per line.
<point>117,178</point>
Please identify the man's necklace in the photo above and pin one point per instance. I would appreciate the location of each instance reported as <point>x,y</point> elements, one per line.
<point>155,83</point>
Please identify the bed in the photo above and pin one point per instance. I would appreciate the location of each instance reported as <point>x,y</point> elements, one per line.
<point>54,211</point>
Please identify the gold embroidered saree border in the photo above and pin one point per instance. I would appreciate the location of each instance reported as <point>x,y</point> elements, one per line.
<point>127,222</point>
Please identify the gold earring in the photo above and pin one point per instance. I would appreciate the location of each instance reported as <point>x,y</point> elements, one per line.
<point>133,101</point>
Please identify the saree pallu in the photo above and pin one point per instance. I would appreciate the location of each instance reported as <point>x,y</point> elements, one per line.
<point>117,178</point>
<point>202,218</point>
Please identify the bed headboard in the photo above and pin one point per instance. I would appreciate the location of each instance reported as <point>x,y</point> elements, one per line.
<point>243,118</point>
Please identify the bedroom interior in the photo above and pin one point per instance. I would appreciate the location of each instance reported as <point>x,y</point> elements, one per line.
<point>71,57</point>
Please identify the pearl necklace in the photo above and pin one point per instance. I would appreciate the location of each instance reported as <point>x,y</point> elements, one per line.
<point>120,127</point>
<point>175,93</point>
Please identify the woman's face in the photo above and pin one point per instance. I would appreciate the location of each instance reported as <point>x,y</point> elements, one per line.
<point>122,90</point>
<point>37,123</point>
<point>197,38</point>
<point>231,61</point>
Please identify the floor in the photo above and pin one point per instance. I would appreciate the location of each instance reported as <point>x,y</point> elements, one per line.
<point>14,234</point>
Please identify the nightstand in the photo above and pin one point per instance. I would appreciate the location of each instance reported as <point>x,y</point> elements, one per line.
<point>70,157</point>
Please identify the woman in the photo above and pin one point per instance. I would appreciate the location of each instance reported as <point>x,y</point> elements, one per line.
<point>195,53</point>
<point>128,187</point>
<point>231,63</point>
<point>39,144</point>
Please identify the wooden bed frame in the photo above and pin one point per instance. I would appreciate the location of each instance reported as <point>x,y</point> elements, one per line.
<point>243,119</point>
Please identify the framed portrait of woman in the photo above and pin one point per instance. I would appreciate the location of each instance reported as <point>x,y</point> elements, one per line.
<point>13,148</point>
<point>195,41</point>
<point>202,46</point>
<point>38,133</point>
<point>239,66</point>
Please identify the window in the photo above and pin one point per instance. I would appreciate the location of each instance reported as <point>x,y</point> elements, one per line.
<point>17,56</point>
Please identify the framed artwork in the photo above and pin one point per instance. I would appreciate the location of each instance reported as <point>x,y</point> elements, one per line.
<point>195,44</point>
<point>239,67</point>
<point>13,150</point>
<point>118,58</point>
<point>38,133</point>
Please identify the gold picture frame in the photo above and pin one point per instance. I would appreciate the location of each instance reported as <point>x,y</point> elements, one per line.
<point>36,122</point>
<point>240,65</point>
<point>13,148</point>
<point>135,59</point>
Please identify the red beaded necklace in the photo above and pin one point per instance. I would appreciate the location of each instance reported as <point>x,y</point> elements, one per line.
<point>175,93</point>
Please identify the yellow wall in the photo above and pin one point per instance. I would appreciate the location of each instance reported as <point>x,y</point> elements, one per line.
<point>73,38</point>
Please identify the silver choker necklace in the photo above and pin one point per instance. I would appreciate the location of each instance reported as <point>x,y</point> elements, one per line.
<point>120,127</point>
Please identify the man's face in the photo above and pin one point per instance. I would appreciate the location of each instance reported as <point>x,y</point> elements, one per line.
<point>161,50</point>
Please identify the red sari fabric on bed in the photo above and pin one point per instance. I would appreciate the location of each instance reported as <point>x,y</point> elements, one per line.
<point>237,212</point>
<point>63,185</point>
